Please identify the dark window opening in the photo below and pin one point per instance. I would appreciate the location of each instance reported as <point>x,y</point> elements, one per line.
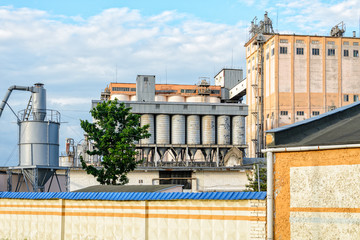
<point>176,177</point>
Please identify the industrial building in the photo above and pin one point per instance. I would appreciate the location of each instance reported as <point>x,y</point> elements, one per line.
<point>197,134</point>
<point>294,77</point>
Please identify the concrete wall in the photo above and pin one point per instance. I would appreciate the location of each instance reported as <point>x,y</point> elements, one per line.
<point>317,194</point>
<point>204,181</point>
<point>88,219</point>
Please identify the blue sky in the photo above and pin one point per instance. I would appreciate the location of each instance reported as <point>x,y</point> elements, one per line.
<point>76,47</point>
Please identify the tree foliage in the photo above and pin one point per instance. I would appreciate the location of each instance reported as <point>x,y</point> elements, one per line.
<point>253,179</point>
<point>114,131</point>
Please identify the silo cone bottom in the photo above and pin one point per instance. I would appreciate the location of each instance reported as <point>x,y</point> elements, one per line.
<point>43,176</point>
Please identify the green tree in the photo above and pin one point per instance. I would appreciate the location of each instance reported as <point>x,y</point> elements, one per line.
<point>113,133</point>
<point>253,179</point>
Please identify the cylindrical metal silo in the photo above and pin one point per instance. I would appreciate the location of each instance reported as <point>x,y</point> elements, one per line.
<point>238,130</point>
<point>223,127</point>
<point>162,129</point>
<point>176,99</point>
<point>193,133</point>
<point>144,120</point>
<point>193,129</point>
<point>133,98</point>
<point>39,143</point>
<point>208,129</point>
<point>160,98</point>
<point>212,99</point>
<point>196,99</point>
<point>178,129</point>
<point>120,97</point>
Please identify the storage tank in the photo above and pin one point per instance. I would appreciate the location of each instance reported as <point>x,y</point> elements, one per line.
<point>178,129</point>
<point>196,99</point>
<point>208,129</point>
<point>212,99</point>
<point>160,98</point>
<point>238,130</point>
<point>162,129</point>
<point>133,98</point>
<point>39,143</point>
<point>176,99</point>
<point>223,127</point>
<point>162,132</point>
<point>144,120</point>
<point>193,132</point>
<point>120,97</point>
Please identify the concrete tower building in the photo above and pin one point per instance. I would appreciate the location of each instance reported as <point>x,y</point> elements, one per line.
<point>294,77</point>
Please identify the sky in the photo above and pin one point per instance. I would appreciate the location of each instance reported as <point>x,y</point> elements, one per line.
<point>76,48</point>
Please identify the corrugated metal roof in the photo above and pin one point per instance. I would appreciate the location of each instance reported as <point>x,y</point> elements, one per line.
<point>136,196</point>
<point>128,188</point>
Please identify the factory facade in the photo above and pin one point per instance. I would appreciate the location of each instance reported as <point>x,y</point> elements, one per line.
<point>294,77</point>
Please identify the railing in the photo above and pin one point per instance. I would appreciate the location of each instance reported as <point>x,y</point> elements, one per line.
<point>178,164</point>
<point>47,115</point>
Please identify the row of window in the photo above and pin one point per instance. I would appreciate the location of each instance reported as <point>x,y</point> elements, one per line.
<point>355,98</point>
<point>299,113</point>
<point>316,51</point>
<point>318,42</point>
<point>122,89</point>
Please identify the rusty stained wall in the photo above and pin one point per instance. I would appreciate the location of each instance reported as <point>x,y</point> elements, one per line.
<point>316,194</point>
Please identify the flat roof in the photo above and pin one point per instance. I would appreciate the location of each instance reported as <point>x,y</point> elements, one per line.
<point>135,196</point>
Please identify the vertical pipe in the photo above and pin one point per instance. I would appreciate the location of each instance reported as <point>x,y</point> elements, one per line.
<point>269,196</point>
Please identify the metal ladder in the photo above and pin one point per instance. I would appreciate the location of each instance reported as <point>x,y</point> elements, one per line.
<point>28,110</point>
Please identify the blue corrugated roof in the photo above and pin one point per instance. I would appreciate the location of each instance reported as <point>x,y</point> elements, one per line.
<point>136,196</point>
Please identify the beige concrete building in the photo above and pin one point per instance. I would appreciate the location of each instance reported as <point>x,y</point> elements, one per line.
<point>294,77</point>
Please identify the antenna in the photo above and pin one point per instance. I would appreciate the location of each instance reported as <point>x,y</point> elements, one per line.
<point>277,20</point>
<point>232,57</point>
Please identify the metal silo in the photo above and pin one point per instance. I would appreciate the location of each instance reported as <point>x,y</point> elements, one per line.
<point>162,132</point>
<point>208,129</point>
<point>238,130</point>
<point>148,119</point>
<point>38,138</point>
<point>208,133</point>
<point>223,127</point>
<point>178,131</point>
<point>193,133</point>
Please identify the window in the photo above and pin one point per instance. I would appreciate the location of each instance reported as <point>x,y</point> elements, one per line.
<point>299,41</point>
<point>267,56</point>
<point>300,51</point>
<point>283,113</point>
<point>272,51</point>
<point>346,98</point>
<point>283,50</point>
<point>315,42</point>
<point>331,52</point>
<point>315,113</point>
<point>315,51</point>
<point>345,43</point>
<point>356,98</point>
<point>176,177</point>
<point>215,91</point>
<point>248,49</point>
<point>133,89</point>
<point>346,53</point>
<point>283,41</point>
<point>331,42</point>
<point>356,53</point>
<point>300,113</point>
<point>355,44</point>
<point>121,89</point>
<point>188,90</point>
